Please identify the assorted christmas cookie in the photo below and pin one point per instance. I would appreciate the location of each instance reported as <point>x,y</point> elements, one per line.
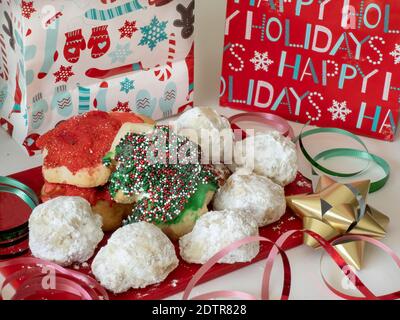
<point>73,151</point>
<point>256,195</point>
<point>269,154</point>
<point>162,173</point>
<point>107,172</point>
<point>136,256</point>
<point>64,230</point>
<point>216,230</point>
<point>112,213</point>
<point>210,130</point>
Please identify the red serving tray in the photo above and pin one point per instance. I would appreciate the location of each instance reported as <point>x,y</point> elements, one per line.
<point>180,277</point>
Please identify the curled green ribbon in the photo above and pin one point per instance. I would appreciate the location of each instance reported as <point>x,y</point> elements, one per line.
<point>345,152</point>
<point>17,234</point>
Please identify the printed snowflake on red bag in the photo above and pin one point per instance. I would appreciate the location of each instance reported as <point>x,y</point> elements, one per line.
<point>261,61</point>
<point>339,110</point>
<point>396,54</point>
<point>128,29</point>
<point>63,74</point>
<point>27,9</point>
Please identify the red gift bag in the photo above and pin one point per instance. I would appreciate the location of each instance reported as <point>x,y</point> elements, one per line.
<point>334,63</point>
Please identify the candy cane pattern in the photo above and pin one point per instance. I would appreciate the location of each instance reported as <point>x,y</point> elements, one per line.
<point>190,64</point>
<point>164,72</point>
<point>53,18</point>
<point>4,74</point>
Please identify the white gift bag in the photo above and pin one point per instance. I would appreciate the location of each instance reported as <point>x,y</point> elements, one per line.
<point>63,58</point>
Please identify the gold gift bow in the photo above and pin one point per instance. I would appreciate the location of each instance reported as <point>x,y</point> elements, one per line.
<point>337,209</point>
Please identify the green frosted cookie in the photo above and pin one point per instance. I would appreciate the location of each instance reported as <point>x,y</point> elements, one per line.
<point>162,174</point>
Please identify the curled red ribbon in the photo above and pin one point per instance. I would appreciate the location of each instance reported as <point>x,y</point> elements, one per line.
<point>272,120</point>
<point>27,279</point>
<point>275,250</point>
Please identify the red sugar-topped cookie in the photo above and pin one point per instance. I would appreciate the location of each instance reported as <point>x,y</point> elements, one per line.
<point>80,142</point>
<point>74,149</point>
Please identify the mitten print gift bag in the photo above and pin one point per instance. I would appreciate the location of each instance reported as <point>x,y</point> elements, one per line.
<point>99,42</point>
<point>63,58</point>
<point>74,44</point>
<point>333,63</point>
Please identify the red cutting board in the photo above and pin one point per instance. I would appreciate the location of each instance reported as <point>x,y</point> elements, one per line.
<point>180,277</point>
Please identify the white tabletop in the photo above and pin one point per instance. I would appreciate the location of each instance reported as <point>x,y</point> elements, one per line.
<point>379,271</point>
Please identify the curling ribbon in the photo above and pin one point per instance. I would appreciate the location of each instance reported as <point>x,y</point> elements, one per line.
<point>345,152</point>
<point>30,276</point>
<point>283,126</point>
<point>25,193</point>
<point>272,120</point>
<point>13,237</point>
<point>277,248</point>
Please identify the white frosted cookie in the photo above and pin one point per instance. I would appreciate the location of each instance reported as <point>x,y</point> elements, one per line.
<point>216,230</point>
<point>136,256</point>
<point>170,194</point>
<point>64,230</point>
<point>208,129</point>
<point>269,154</point>
<point>258,196</point>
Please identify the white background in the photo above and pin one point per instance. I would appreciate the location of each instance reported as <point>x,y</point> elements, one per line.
<point>379,272</point>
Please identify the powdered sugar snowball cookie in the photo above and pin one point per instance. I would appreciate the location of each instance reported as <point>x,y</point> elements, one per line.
<point>258,196</point>
<point>64,230</point>
<point>204,126</point>
<point>268,154</point>
<point>136,256</point>
<point>216,230</point>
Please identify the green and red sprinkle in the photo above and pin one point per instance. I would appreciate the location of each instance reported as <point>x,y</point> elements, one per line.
<point>164,169</point>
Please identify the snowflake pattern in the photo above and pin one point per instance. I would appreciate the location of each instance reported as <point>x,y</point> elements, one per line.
<point>128,29</point>
<point>127,85</point>
<point>261,61</point>
<point>339,110</point>
<point>27,9</point>
<point>122,107</point>
<point>120,53</point>
<point>154,33</point>
<point>63,74</point>
<point>396,54</point>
